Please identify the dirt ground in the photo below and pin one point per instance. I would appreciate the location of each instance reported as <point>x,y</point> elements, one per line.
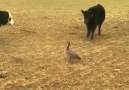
<point>32,51</point>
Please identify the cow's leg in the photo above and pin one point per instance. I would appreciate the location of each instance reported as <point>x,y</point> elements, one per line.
<point>99,26</point>
<point>88,33</point>
<point>92,34</point>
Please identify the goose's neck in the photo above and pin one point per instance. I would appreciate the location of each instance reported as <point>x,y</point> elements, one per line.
<point>68,46</point>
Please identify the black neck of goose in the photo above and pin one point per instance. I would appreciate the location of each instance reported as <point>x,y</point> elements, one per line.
<point>68,46</point>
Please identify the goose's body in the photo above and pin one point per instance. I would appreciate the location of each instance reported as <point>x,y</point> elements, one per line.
<point>70,54</point>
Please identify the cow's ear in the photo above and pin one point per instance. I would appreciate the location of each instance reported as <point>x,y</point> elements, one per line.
<point>82,11</point>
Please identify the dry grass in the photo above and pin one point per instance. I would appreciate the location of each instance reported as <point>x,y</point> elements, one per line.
<point>32,52</point>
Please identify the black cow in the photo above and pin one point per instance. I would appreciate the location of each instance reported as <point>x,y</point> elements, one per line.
<point>6,17</point>
<point>92,17</point>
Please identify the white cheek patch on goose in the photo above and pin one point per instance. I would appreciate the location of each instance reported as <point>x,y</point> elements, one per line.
<point>10,19</point>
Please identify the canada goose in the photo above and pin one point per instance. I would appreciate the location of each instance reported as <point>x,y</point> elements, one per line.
<point>70,54</point>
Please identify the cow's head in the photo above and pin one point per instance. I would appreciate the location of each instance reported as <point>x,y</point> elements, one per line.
<point>10,19</point>
<point>88,15</point>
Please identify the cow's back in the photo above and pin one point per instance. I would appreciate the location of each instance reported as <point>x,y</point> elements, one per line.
<point>101,11</point>
<point>98,13</point>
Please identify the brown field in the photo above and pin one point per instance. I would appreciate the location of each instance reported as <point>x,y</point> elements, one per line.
<point>32,52</point>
